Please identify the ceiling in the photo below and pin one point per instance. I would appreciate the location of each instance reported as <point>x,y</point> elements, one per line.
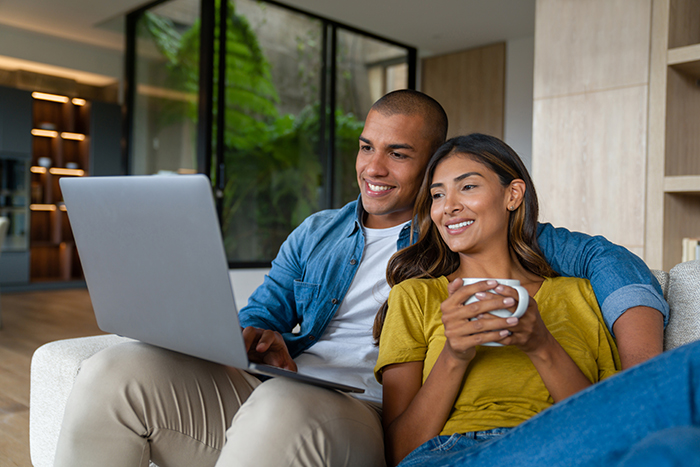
<point>434,27</point>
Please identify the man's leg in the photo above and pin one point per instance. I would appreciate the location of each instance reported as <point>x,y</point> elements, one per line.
<point>134,402</point>
<point>601,424</point>
<point>287,423</point>
<point>674,447</point>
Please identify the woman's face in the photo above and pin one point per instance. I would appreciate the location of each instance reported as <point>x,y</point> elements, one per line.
<point>469,205</point>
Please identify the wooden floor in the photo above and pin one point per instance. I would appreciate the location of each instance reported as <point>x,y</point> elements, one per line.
<point>29,320</point>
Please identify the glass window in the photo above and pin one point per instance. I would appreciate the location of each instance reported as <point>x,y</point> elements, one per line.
<point>366,69</point>
<point>273,165</point>
<point>290,125</point>
<point>167,84</point>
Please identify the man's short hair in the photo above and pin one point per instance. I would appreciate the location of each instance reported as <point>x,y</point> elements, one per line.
<point>411,102</point>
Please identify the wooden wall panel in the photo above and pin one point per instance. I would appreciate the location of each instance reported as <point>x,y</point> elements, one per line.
<point>588,178</point>
<point>590,119</point>
<point>582,46</point>
<point>470,85</point>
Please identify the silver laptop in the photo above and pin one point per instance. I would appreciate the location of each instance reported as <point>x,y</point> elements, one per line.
<point>155,266</point>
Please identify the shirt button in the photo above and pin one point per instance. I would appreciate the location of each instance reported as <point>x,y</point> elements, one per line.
<point>353,261</point>
<point>311,338</point>
<point>334,301</point>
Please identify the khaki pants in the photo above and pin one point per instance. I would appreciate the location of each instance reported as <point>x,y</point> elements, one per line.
<point>133,402</point>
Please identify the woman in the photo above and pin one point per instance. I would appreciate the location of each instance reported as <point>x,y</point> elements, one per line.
<point>444,391</point>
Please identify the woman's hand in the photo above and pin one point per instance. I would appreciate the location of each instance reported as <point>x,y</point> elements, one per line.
<point>462,331</point>
<point>528,333</point>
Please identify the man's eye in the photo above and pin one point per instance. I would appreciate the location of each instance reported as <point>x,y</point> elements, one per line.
<point>398,155</point>
<point>469,187</point>
<point>365,147</point>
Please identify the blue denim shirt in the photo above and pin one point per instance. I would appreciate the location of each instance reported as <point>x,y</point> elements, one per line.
<point>317,263</point>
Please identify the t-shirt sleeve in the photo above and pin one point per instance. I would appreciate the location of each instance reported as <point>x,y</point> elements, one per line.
<point>403,335</point>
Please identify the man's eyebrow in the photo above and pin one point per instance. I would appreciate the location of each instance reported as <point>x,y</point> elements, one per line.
<point>391,146</point>
<point>400,146</point>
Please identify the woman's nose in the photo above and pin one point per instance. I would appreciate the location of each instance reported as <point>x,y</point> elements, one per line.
<point>452,203</point>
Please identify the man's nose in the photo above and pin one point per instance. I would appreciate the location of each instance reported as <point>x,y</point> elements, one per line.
<point>376,165</point>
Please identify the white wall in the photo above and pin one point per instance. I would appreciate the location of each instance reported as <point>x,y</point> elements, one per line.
<point>520,62</point>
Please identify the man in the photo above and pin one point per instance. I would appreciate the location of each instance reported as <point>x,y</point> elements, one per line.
<point>134,402</point>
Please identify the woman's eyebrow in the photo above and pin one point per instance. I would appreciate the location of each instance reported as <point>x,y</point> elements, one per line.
<point>467,175</point>
<point>457,179</point>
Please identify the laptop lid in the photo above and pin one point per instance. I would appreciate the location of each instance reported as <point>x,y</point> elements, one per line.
<point>155,265</point>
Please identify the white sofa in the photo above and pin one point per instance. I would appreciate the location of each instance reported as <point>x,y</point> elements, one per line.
<point>55,365</point>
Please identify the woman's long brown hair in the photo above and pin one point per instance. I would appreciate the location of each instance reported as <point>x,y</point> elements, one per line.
<point>430,257</point>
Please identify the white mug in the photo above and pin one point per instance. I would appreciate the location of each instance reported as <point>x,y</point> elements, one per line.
<point>523,299</point>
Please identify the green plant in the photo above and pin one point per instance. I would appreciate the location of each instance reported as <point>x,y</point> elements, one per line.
<point>273,166</point>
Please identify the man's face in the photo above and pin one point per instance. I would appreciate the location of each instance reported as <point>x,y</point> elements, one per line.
<point>390,165</point>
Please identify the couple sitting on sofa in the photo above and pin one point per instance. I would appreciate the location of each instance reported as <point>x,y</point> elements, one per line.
<point>133,402</point>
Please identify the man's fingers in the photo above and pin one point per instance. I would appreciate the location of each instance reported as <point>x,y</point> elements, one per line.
<point>250,337</point>
<point>266,340</point>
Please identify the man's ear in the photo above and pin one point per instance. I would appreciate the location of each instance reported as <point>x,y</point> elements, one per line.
<point>515,194</point>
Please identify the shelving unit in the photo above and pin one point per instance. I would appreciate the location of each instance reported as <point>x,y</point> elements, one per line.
<point>60,148</point>
<point>673,188</point>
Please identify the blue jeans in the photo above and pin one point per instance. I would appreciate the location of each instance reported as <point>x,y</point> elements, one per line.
<point>649,411</point>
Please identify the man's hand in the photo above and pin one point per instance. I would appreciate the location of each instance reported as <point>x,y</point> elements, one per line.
<point>265,346</point>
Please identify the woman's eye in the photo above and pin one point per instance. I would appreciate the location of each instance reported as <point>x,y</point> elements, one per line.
<point>468,187</point>
<point>436,195</point>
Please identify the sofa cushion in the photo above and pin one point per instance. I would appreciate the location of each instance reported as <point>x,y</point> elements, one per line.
<point>684,300</point>
<point>662,277</point>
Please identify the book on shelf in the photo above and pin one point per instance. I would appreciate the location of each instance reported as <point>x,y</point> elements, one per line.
<point>691,249</point>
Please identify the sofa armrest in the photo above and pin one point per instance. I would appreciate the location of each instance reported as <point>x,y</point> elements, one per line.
<point>53,369</point>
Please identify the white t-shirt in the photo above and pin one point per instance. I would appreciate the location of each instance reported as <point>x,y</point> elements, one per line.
<point>346,352</point>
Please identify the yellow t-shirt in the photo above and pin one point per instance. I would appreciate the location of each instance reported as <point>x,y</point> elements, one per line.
<point>502,388</point>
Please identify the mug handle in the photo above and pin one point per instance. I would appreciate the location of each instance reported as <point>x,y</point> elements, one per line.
<point>523,301</point>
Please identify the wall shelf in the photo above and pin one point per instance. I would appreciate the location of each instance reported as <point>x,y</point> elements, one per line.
<point>689,184</point>
<point>60,136</point>
<point>673,196</point>
<point>686,59</point>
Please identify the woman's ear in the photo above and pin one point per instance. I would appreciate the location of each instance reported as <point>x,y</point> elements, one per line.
<point>515,194</point>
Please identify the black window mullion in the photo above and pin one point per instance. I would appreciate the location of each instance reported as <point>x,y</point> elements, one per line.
<point>332,98</point>
<point>221,109</point>
<point>205,118</point>
<point>322,109</point>
<point>412,65</point>
<point>129,91</point>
